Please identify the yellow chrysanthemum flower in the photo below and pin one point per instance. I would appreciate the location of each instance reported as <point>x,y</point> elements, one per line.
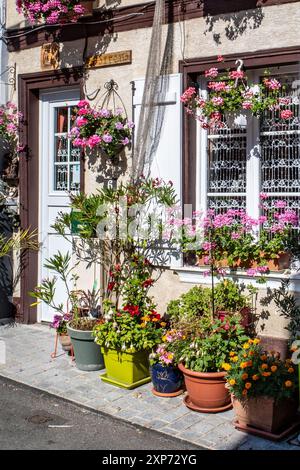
<point>232,382</point>
<point>226,366</point>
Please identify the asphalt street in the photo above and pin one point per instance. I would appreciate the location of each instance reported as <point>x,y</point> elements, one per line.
<point>30,419</point>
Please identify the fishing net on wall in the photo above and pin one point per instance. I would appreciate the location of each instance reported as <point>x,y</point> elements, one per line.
<point>156,83</point>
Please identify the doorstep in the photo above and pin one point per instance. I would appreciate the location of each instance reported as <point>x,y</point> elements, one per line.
<point>28,361</point>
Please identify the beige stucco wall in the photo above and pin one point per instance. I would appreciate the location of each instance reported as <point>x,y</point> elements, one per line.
<point>270,27</point>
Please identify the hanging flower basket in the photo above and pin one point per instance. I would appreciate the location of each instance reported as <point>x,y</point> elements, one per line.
<point>45,11</point>
<point>238,119</point>
<point>110,131</point>
<point>232,99</point>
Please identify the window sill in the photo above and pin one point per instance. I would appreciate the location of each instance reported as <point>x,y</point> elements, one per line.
<point>195,275</point>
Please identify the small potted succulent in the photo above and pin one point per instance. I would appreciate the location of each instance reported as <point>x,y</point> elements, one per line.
<point>264,389</point>
<point>166,377</point>
<point>59,323</point>
<point>202,356</point>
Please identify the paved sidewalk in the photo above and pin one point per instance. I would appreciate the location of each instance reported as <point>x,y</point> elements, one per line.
<point>28,360</point>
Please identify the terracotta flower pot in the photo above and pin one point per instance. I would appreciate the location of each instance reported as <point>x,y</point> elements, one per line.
<point>245,312</point>
<point>206,391</point>
<point>265,413</point>
<point>65,342</point>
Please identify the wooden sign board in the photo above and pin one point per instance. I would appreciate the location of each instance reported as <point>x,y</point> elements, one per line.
<point>50,55</point>
<point>107,60</point>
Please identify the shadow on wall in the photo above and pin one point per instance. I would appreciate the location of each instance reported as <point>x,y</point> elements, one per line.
<point>234,24</point>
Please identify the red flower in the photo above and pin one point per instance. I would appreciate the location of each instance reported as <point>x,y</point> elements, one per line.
<point>154,314</point>
<point>149,282</point>
<point>111,285</point>
<point>286,114</point>
<point>133,310</point>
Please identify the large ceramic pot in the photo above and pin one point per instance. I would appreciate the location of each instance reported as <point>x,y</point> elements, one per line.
<point>124,369</point>
<point>206,391</point>
<point>87,353</point>
<point>65,342</point>
<point>265,413</point>
<point>167,380</point>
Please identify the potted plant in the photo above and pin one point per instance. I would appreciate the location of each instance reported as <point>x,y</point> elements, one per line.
<point>229,239</point>
<point>264,390</point>
<point>232,98</point>
<point>101,128</point>
<point>59,323</point>
<point>194,303</point>
<point>10,120</point>
<point>126,338</point>
<point>87,353</point>
<point>229,299</point>
<point>60,11</point>
<point>166,378</point>
<point>202,356</point>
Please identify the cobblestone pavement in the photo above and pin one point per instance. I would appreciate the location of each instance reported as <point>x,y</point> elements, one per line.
<point>28,360</point>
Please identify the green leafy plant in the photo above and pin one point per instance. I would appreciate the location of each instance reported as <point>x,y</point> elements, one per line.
<point>208,347</point>
<point>46,292</point>
<point>101,127</point>
<point>194,303</point>
<point>251,372</point>
<point>231,92</point>
<point>129,329</point>
<point>289,308</point>
<point>228,297</point>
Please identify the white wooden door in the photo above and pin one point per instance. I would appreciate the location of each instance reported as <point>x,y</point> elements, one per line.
<point>59,174</point>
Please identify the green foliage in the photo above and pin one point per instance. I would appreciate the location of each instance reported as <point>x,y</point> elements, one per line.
<point>129,331</point>
<point>207,350</point>
<point>288,307</point>
<point>228,297</point>
<point>254,373</point>
<point>194,303</point>
<point>60,264</point>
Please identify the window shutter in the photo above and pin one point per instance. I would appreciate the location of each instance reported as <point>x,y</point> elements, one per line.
<point>166,163</point>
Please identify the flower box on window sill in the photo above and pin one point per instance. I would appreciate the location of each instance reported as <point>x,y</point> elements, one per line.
<point>280,263</point>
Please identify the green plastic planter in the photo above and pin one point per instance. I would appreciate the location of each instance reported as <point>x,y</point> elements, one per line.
<point>126,370</point>
<point>87,353</point>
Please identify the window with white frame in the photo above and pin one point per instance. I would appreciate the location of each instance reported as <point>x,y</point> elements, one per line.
<point>66,157</point>
<point>234,165</point>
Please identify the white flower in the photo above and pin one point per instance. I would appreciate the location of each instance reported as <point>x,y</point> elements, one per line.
<point>123,347</point>
<point>255,89</point>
